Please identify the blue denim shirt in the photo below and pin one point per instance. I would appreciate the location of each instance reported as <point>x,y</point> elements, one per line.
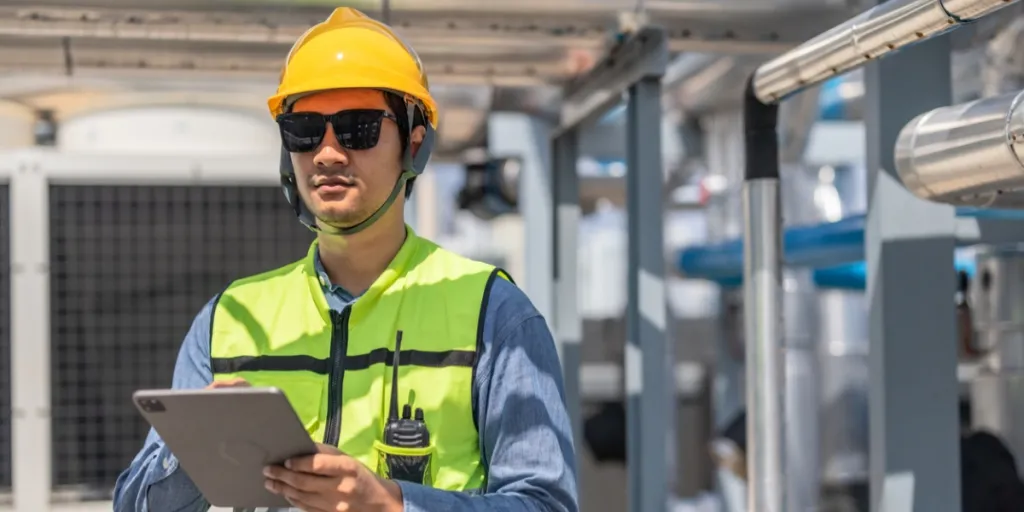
<point>519,403</point>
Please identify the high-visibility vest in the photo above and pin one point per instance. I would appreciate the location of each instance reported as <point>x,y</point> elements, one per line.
<point>276,329</point>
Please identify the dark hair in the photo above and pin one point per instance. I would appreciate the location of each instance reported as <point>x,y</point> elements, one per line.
<point>397,105</point>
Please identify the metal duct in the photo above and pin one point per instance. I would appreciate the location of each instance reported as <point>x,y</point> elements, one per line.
<point>885,28</point>
<point>969,154</point>
<point>985,62</point>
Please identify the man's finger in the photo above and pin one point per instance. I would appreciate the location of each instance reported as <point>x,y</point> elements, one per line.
<point>327,449</point>
<point>299,499</point>
<point>322,464</point>
<point>301,481</point>
<point>236,382</point>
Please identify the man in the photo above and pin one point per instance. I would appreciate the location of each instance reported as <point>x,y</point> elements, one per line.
<point>477,362</point>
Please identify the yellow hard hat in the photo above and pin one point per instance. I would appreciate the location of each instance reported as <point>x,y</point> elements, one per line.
<point>352,50</point>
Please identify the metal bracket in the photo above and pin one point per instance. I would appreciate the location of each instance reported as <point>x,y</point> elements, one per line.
<point>642,55</point>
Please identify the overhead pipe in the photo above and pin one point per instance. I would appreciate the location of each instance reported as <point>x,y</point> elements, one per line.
<point>967,155</point>
<point>873,34</point>
<point>868,36</point>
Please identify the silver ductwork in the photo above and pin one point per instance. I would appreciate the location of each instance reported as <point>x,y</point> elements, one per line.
<point>876,32</point>
<point>970,154</point>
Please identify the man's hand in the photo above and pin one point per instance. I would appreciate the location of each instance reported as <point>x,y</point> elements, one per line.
<point>331,481</point>
<point>236,382</point>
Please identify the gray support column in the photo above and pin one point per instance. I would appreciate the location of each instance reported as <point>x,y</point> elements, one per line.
<point>520,135</point>
<point>30,337</point>
<point>911,282</point>
<point>648,357</point>
<point>568,324</point>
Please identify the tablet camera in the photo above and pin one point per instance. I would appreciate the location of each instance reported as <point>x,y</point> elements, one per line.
<point>152,405</point>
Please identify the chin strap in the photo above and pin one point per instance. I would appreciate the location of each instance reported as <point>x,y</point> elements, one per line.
<point>351,230</point>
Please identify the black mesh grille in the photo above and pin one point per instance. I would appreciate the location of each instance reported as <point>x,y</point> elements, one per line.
<point>131,266</point>
<point>5,342</point>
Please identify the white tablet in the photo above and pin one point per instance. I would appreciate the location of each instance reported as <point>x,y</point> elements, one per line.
<point>223,438</point>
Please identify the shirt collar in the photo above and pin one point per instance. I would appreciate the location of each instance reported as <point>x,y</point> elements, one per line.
<point>321,273</point>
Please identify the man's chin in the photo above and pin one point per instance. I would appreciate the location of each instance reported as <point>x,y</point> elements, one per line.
<point>339,220</point>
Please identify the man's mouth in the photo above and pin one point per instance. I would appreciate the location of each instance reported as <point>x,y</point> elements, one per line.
<point>334,182</point>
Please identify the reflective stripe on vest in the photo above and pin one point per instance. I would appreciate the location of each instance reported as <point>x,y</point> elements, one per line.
<point>275,329</point>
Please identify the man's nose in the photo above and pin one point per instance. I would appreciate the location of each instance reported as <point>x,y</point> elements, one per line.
<point>330,152</point>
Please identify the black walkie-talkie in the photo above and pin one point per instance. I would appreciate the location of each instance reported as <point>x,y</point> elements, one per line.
<point>405,432</point>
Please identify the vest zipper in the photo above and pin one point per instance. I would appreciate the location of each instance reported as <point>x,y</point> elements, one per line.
<point>339,346</point>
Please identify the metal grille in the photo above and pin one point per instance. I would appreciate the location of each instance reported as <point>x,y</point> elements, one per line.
<point>5,342</point>
<point>131,266</point>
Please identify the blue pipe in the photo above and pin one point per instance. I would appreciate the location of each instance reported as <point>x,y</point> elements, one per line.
<point>816,246</point>
<point>831,104</point>
<point>827,245</point>
<point>853,276</point>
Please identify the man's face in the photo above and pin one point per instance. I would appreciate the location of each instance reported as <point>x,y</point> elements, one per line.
<point>343,186</point>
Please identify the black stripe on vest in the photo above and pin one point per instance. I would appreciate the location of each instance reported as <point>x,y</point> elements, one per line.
<point>449,358</point>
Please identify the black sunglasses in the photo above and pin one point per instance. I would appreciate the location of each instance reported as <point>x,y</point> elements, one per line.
<point>302,132</point>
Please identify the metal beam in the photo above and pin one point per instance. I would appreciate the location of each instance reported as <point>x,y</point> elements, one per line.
<point>725,26</point>
<point>648,355</point>
<point>567,320</point>
<point>511,134</point>
<point>31,412</point>
<point>258,60</point>
<point>914,427</point>
<point>641,56</point>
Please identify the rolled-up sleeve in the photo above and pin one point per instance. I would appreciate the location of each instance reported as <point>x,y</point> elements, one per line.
<point>153,482</point>
<point>525,434</point>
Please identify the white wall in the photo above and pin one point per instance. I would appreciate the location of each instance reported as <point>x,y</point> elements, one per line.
<point>169,129</point>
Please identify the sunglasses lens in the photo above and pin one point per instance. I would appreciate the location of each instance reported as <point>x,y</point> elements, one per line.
<point>301,132</point>
<point>358,129</point>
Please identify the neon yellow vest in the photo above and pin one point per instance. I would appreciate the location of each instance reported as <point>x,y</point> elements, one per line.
<point>275,329</point>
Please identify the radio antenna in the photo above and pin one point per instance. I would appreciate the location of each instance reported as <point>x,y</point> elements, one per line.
<point>393,413</point>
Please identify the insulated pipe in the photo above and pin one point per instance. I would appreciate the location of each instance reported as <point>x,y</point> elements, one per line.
<point>762,298</point>
<point>873,34</point>
<point>967,155</point>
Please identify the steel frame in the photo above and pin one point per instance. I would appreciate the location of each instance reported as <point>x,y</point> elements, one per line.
<point>632,69</point>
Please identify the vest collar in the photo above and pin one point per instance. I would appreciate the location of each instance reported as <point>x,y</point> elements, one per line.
<point>399,265</point>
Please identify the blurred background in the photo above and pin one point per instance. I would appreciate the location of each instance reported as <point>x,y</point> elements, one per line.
<point>139,177</point>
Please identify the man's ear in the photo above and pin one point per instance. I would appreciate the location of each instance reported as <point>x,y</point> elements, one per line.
<point>416,138</point>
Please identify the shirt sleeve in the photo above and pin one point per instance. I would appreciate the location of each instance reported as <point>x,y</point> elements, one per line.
<point>153,481</point>
<point>525,434</point>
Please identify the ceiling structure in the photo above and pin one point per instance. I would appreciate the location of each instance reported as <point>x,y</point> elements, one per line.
<point>70,56</point>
